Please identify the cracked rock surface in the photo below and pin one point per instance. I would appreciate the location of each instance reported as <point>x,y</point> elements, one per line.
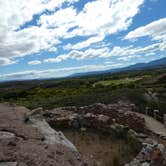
<point>32,142</point>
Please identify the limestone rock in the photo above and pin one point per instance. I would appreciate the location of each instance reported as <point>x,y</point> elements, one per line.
<point>32,142</point>
<point>8,163</point>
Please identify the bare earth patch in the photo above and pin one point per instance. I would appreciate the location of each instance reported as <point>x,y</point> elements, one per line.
<point>99,150</point>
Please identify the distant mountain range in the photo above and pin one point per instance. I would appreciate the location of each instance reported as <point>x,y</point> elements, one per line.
<point>139,66</point>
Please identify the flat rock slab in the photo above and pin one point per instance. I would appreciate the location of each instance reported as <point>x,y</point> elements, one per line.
<point>32,143</point>
<point>6,135</point>
<point>154,125</point>
<point>8,163</point>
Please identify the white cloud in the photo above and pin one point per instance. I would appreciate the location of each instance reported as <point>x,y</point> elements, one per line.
<point>98,19</point>
<point>57,59</point>
<point>133,51</point>
<point>15,13</point>
<point>16,42</point>
<point>106,16</point>
<point>6,61</point>
<point>35,62</point>
<point>53,49</point>
<point>150,54</point>
<point>122,52</point>
<point>26,41</point>
<point>109,62</point>
<point>129,57</point>
<point>154,29</point>
<point>79,55</point>
<point>86,43</point>
<point>64,17</point>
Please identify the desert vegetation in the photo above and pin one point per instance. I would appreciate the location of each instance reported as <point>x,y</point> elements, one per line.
<point>146,88</point>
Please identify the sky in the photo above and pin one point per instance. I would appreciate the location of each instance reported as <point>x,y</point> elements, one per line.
<point>56,38</point>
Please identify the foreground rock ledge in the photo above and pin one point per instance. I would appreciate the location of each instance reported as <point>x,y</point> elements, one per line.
<point>26,139</point>
<point>107,118</point>
<point>32,142</point>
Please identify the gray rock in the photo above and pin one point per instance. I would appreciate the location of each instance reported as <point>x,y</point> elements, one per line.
<point>161,147</point>
<point>141,135</point>
<point>8,163</point>
<point>89,115</point>
<point>50,135</point>
<point>145,164</point>
<point>103,118</point>
<point>32,142</point>
<point>149,141</point>
<point>37,111</point>
<point>6,135</point>
<point>132,132</point>
<point>7,138</point>
<point>150,153</point>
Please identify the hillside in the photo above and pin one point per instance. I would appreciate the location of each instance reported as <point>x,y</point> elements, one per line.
<point>139,66</point>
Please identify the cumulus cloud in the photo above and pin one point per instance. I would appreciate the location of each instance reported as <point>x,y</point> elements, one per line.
<point>6,61</point>
<point>129,57</point>
<point>131,50</point>
<point>35,62</point>
<point>53,49</point>
<point>154,29</point>
<point>122,53</point>
<point>18,38</point>
<point>86,43</point>
<point>79,55</point>
<point>57,59</point>
<point>63,19</point>
<point>26,41</point>
<point>16,13</point>
<point>115,16</point>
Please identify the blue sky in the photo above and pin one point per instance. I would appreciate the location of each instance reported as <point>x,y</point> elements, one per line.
<point>55,38</point>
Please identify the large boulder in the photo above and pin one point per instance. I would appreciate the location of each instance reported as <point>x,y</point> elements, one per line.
<point>27,139</point>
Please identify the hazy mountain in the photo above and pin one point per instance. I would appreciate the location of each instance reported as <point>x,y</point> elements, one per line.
<point>138,66</point>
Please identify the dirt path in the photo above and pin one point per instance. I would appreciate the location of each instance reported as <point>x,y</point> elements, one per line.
<point>154,125</point>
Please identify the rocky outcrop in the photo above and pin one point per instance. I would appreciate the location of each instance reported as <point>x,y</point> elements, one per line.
<point>26,139</point>
<point>152,154</point>
<point>98,116</point>
<point>50,136</point>
<point>113,117</point>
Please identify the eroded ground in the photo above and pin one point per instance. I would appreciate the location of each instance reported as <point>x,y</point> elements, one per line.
<point>100,149</point>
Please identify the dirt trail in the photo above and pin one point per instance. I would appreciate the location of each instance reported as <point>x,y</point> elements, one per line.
<point>154,125</point>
